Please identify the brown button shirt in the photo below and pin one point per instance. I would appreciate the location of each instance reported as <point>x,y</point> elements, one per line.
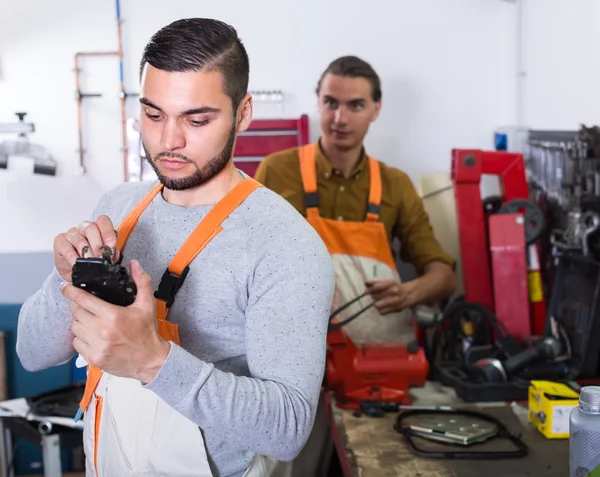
<point>342,198</point>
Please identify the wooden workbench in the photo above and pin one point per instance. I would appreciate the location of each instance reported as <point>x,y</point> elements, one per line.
<point>370,447</point>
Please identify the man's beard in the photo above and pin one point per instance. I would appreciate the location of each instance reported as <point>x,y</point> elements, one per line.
<point>201,175</point>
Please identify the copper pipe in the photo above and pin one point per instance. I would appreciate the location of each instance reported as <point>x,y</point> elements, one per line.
<point>122,95</point>
<point>96,53</point>
<point>79,120</point>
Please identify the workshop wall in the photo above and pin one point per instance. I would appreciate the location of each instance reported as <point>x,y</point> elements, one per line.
<point>562,68</point>
<point>447,67</point>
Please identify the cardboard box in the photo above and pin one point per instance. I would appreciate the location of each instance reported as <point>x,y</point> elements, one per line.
<point>550,405</point>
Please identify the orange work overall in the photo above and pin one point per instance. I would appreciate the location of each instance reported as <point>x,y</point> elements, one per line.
<point>129,430</point>
<point>360,251</point>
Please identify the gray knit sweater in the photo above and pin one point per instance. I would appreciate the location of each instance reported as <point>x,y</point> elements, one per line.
<point>252,318</point>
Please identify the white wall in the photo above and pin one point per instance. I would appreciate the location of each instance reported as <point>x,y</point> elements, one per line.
<point>447,68</point>
<point>562,63</point>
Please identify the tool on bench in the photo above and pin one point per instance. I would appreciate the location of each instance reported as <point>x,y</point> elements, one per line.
<point>456,427</point>
<point>43,162</point>
<point>495,371</point>
<point>469,331</point>
<point>475,355</point>
<point>374,377</point>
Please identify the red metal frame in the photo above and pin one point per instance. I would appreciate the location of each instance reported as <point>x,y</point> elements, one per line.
<point>467,168</point>
<point>266,136</point>
<point>509,273</point>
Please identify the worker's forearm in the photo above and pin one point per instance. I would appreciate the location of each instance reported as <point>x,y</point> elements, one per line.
<point>437,283</point>
<point>44,337</point>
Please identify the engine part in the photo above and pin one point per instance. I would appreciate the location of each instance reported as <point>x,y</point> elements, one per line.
<point>459,429</point>
<point>576,236</point>
<point>480,427</point>
<point>574,306</point>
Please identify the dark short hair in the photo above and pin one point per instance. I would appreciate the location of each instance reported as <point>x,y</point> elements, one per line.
<point>201,44</point>
<point>354,67</point>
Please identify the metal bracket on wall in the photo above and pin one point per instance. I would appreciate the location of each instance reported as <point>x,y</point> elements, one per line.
<point>43,162</point>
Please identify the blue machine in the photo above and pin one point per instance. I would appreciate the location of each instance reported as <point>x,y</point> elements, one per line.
<point>21,383</point>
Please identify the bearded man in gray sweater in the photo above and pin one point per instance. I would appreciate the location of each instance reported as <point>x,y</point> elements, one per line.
<point>230,369</point>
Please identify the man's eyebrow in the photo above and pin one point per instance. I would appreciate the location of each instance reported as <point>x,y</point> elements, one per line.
<point>147,102</point>
<point>200,110</point>
<point>353,100</point>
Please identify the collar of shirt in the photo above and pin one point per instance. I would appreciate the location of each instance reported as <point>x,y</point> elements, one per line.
<point>325,168</point>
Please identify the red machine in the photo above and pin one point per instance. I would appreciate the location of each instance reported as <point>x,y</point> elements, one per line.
<point>500,270</point>
<point>265,136</point>
<point>373,373</point>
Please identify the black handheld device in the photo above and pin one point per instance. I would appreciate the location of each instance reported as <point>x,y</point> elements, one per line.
<point>101,277</point>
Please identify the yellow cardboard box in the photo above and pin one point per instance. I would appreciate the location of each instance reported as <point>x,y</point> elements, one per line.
<point>550,405</point>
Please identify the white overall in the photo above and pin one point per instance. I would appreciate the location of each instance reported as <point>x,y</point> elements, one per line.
<point>140,435</point>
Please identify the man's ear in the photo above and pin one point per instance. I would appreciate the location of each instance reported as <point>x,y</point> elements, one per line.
<point>319,104</point>
<point>376,110</point>
<point>244,114</point>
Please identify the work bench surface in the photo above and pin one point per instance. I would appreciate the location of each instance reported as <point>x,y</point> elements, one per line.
<point>372,447</point>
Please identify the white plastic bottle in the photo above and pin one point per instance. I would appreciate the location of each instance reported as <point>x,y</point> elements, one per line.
<point>584,434</point>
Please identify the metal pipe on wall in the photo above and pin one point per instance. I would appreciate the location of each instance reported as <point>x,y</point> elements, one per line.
<point>123,95</point>
<point>80,96</point>
<point>522,63</point>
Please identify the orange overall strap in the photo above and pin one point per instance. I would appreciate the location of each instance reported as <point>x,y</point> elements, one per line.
<point>91,383</point>
<point>200,237</point>
<point>132,218</point>
<point>308,170</point>
<point>124,231</point>
<point>208,228</point>
<point>373,206</point>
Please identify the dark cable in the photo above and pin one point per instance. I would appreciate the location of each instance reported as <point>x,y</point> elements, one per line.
<point>448,340</point>
<point>337,326</point>
<point>337,311</point>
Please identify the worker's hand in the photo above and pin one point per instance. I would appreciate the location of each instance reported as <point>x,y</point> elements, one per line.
<point>68,246</point>
<point>392,296</point>
<point>123,341</point>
